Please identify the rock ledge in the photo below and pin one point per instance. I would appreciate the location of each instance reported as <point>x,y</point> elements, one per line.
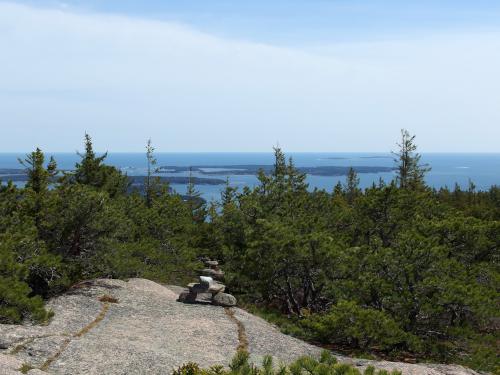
<point>148,332</point>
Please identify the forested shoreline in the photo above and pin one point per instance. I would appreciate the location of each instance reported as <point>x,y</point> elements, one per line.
<point>398,269</point>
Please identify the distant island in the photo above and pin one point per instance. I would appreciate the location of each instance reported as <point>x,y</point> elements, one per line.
<point>357,157</point>
<point>250,169</point>
<point>19,175</point>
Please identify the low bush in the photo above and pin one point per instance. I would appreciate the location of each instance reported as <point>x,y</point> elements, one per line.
<point>325,365</point>
<point>352,325</point>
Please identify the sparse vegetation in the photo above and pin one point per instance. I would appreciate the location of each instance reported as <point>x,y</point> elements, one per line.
<point>25,368</point>
<point>325,365</point>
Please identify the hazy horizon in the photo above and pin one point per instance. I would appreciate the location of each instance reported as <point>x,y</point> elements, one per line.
<point>156,152</point>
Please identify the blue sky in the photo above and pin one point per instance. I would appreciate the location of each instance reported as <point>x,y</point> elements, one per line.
<point>298,22</point>
<point>214,75</point>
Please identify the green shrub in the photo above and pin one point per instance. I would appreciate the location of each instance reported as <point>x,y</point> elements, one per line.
<point>189,368</point>
<point>16,300</point>
<point>326,365</point>
<point>350,324</point>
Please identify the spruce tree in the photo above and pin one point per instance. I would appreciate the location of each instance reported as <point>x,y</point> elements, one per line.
<point>228,194</point>
<point>39,178</point>
<point>410,173</point>
<point>16,297</point>
<point>352,185</point>
<point>92,171</point>
<point>338,189</point>
<point>151,182</point>
<point>194,200</point>
<point>88,170</point>
<point>280,167</point>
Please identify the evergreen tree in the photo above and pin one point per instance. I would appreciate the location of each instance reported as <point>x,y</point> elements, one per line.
<point>352,186</point>
<point>16,299</point>
<point>88,171</point>
<point>92,171</point>
<point>280,167</point>
<point>191,188</point>
<point>228,194</point>
<point>338,189</point>
<point>39,178</point>
<point>194,200</point>
<point>410,173</point>
<point>151,183</point>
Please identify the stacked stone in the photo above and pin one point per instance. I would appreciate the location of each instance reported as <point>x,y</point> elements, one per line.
<point>209,289</point>
<point>212,270</point>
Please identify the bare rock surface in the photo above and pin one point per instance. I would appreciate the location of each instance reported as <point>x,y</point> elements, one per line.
<point>9,365</point>
<point>140,328</point>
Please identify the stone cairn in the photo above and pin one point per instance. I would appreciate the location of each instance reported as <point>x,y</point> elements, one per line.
<point>209,289</point>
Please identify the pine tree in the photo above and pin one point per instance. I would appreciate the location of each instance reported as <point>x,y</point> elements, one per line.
<point>191,189</point>
<point>296,179</point>
<point>194,200</point>
<point>38,182</point>
<point>151,183</point>
<point>16,298</point>
<point>228,194</point>
<point>93,172</point>
<point>352,186</point>
<point>338,189</point>
<point>87,171</point>
<point>39,177</point>
<point>280,167</point>
<point>410,173</point>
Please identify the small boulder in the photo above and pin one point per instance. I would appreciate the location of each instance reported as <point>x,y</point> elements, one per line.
<point>224,299</point>
<point>204,298</point>
<point>216,287</point>
<point>4,345</point>
<point>187,297</point>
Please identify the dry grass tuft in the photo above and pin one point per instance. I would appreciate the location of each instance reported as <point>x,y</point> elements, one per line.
<point>109,299</point>
<point>45,366</point>
<point>242,335</point>
<point>95,322</point>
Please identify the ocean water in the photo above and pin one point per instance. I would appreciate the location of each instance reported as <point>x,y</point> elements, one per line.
<point>447,169</point>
